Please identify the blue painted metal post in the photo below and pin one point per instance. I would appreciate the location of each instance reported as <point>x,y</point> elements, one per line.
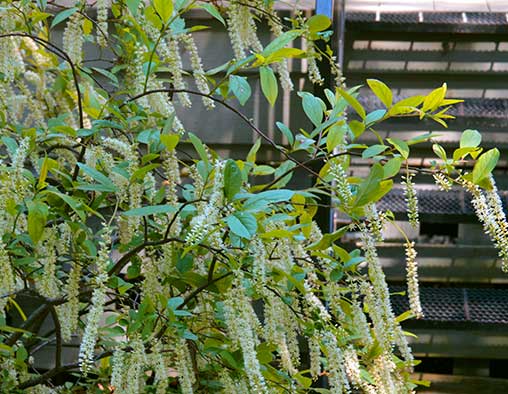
<point>335,10</point>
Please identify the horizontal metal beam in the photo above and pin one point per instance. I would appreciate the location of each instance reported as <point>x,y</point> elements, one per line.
<point>395,33</point>
<point>460,56</point>
<point>424,79</point>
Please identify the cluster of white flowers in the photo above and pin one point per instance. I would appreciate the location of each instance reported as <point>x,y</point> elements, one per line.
<point>411,200</point>
<point>275,24</point>
<point>313,69</point>
<point>242,29</point>
<point>336,366</point>
<point>382,370</point>
<point>412,280</point>
<point>489,210</point>
<point>360,322</point>
<point>197,68</point>
<point>102,22</point>
<point>315,355</point>
<point>73,38</point>
<point>11,60</point>
<point>341,183</point>
<point>48,284</point>
<point>19,184</point>
<point>137,361</point>
<point>69,312</point>
<point>259,263</point>
<point>175,67</point>
<point>230,386</point>
<point>118,368</point>
<point>282,330</point>
<point>86,351</point>
<point>442,181</point>
<point>352,366</point>
<point>184,365</point>
<point>202,223</point>
<point>7,282</point>
<point>242,324</point>
<point>375,221</point>
<point>315,303</point>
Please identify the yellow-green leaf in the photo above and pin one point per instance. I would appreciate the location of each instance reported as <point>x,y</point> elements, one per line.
<point>382,91</point>
<point>269,84</point>
<point>164,9</point>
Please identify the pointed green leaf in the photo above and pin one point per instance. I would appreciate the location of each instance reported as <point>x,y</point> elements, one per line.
<point>470,139</point>
<point>150,210</point>
<point>485,164</point>
<point>373,150</point>
<point>61,16</point>
<point>37,217</point>
<point>232,179</point>
<point>164,9</point>
<point>269,84</point>
<point>240,87</point>
<point>401,146</point>
<point>382,91</point>
<point>242,224</point>
<point>286,131</point>
<point>353,103</point>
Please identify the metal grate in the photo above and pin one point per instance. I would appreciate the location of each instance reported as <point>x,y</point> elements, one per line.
<point>446,18</point>
<point>458,305</point>
<point>433,201</point>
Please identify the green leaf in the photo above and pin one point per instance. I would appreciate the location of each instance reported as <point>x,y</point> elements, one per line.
<point>164,9</point>
<point>242,224</point>
<point>260,200</point>
<point>485,164</point>
<point>150,210</point>
<point>375,116</point>
<point>392,167</point>
<point>71,202</point>
<point>240,87</point>
<point>251,156</point>
<point>37,218</point>
<point>357,128</point>
<point>318,23</point>
<point>286,131</point>
<point>462,152</point>
<point>141,172</point>
<point>406,105</point>
<point>335,136</point>
<point>470,139</point>
<point>382,91</point>
<point>98,176</point>
<point>373,150</point>
<point>200,148</point>
<point>439,151</point>
<point>434,99</point>
<point>328,239</point>
<point>401,146</point>
<point>133,6</point>
<point>61,16</point>
<point>269,84</point>
<point>370,185</point>
<point>174,303</point>
<point>353,103</point>
<point>281,41</point>
<point>212,10</point>
<point>112,77</point>
<point>170,141</point>
<point>232,179</point>
<point>312,106</point>
<point>41,184</point>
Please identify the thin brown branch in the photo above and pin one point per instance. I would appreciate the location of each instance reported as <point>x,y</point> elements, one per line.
<point>246,120</point>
